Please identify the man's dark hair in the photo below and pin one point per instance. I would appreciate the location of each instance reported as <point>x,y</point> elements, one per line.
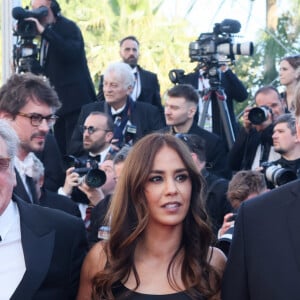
<point>109,120</point>
<point>266,89</point>
<point>185,91</point>
<point>21,88</point>
<point>129,37</point>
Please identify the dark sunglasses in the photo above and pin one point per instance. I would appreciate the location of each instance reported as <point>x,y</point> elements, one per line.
<point>91,129</point>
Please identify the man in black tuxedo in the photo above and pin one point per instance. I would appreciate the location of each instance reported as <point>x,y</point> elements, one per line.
<point>28,103</point>
<point>41,249</point>
<point>146,87</point>
<point>264,259</point>
<point>97,133</point>
<point>180,108</point>
<point>63,61</point>
<point>132,119</point>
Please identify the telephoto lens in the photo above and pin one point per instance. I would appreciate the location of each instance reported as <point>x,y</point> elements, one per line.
<point>258,115</point>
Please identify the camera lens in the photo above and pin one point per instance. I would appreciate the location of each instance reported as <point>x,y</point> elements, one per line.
<point>95,178</point>
<point>258,115</point>
<point>279,176</point>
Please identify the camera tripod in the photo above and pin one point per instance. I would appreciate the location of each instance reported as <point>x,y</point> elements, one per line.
<point>220,96</point>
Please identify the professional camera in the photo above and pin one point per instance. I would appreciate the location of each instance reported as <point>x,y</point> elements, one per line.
<point>213,49</point>
<point>277,175</point>
<point>25,51</point>
<point>92,175</point>
<point>258,115</point>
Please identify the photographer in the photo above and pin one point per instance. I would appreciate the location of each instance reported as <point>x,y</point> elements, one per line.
<point>63,61</point>
<point>286,143</point>
<point>254,143</point>
<point>97,133</point>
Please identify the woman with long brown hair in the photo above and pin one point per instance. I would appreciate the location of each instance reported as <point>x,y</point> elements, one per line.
<point>160,239</point>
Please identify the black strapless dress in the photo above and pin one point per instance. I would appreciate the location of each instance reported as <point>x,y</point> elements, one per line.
<point>121,292</point>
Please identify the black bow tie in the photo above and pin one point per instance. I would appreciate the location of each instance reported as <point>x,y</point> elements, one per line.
<point>96,157</point>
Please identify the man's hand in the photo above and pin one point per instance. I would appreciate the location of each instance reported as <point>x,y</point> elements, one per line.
<point>95,195</point>
<point>246,122</point>
<point>227,223</point>
<point>72,179</point>
<point>40,28</point>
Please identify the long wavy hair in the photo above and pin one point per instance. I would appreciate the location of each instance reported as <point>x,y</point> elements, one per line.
<point>129,218</point>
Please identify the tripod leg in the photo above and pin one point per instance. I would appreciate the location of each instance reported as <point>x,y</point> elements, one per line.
<point>229,133</point>
<point>204,111</point>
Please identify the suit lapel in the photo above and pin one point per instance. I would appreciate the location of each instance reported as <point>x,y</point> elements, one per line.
<point>38,248</point>
<point>293,219</point>
<point>20,190</point>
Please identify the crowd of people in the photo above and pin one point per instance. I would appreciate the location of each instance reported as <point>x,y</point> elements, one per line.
<point>112,194</point>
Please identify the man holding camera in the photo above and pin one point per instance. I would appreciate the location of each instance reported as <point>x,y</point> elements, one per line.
<point>97,133</point>
<point>254,143</point>
<point>63,61</point>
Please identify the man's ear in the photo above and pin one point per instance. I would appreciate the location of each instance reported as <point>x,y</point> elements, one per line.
<point>109,136</point>
<point>5,115</point>
<point>129,90</point>
<point>192,111</point>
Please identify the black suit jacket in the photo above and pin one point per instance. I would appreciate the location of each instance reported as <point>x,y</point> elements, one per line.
<point>20,190</point>
<point>54,245</point>
<point>144,116</point>
<point>48,198</point>
<point>242,154</point>
<point>66,65</point>
<point>233,88</point>
<point>264,259</point>
<point>216,150</point>
<point>150,89</point>
<point>53,200</point>
<point>51,158</point>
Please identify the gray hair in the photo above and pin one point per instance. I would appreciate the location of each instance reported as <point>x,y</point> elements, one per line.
<point>123,71</point>
<point>38,169</point>
<point>121,154</point>
<point>10,137</point>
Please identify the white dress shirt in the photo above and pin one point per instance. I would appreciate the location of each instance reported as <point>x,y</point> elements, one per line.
<point>137,85</point>
<point>12,262</point>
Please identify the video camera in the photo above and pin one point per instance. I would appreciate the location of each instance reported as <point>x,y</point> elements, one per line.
<point>276,175</point>
<point>92,176</point>
<point>25,52</point>
<point>211,48</point>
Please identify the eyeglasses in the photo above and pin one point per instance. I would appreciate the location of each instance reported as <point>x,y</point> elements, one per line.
<point>4,163</point>
<point>91,129</point>
<point>37,119</point>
